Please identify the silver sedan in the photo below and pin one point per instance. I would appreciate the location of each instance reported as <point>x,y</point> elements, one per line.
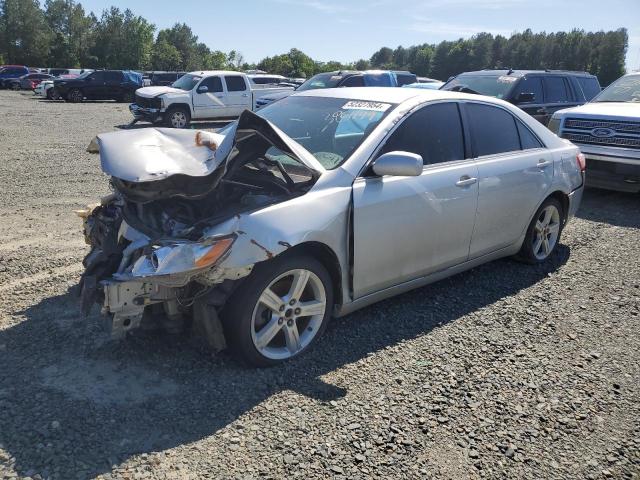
<point>323,203</point>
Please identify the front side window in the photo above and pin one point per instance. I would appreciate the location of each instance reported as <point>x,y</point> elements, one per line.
<point>556,90</point>
<point>494,130</point>
<point>214,84</point>
<point>530,85</point>
<point>113,77</point>
<point>235,84</point>
<point>96,77</point>
<point>433,132</point>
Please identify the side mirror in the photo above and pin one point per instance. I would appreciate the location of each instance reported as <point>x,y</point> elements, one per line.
<point>525,97</point>
<point>399,164</point>
<point>203,89</point>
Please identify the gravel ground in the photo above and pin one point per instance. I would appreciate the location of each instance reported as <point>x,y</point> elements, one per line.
<point>506,371</point>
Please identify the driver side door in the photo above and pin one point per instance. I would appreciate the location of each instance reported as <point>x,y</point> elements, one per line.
<point>94,85</point>
<point>408,227</point>
<point>209,98</point>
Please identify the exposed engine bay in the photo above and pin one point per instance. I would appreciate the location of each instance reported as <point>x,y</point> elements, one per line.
<point>150,256</point>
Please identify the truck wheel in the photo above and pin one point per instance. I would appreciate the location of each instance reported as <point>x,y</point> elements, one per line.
<point>280,311</point>
<point>177,117</point>
<point>75,95</point>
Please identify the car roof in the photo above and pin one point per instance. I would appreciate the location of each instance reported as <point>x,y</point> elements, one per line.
<point>522,73</point>
<point>390,94</point>
<point>206,73</point>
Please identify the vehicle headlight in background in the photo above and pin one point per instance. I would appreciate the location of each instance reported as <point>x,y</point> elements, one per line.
<point>554,125</point>
<point>181,258</point>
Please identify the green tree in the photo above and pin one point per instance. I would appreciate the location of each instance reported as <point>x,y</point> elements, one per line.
<point>24,36</point>
<point>165,56</point>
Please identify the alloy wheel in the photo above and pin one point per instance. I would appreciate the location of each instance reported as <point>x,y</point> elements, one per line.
<point>288,314</point>
<point>178,119</point>
<point>546,232</point>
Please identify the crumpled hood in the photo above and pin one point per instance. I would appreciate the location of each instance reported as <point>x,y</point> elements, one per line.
<point>151,154</point>
<point>151,92</point>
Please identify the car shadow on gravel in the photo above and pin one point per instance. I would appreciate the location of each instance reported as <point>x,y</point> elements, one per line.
<point>606,206</point>
<point>73,405</point>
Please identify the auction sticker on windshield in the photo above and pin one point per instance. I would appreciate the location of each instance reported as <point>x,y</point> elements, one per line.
<point>363,105</point>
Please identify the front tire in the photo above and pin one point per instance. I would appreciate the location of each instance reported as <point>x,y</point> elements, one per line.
<point>543,234</point>
<point>177,117</point>
<point>280,311</point>
<point>75,96</point>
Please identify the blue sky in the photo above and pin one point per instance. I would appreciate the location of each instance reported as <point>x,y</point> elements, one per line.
<point>347,30</point>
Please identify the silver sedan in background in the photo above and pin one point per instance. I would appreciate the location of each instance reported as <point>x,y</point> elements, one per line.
<point>322,203</point>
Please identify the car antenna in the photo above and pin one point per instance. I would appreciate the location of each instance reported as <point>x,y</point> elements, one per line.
<point>510,71</point>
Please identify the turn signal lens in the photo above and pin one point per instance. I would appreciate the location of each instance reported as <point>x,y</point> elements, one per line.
<point>211,254</point>
<point>582,162</point>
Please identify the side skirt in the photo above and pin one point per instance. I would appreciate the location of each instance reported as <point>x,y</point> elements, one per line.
<point>347,308</point>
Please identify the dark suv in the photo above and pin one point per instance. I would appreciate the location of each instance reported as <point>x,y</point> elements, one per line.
<point>117,85</point>
<point>165,79</point>
<point>10,72</point>
<point>540,93</point>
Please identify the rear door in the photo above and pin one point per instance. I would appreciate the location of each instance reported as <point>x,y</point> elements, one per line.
<point>113,84</point>
<point>515,173</point>
<point>238,95</point>
<point>209,98</point>
<point>408,227</point>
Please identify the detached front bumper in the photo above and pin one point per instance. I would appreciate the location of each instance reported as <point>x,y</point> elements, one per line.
<point>152,115</point>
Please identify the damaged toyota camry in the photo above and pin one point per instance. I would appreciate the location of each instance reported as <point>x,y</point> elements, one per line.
<point>323,203</point>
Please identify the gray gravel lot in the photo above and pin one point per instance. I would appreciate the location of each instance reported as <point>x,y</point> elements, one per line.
<point>506,371</point>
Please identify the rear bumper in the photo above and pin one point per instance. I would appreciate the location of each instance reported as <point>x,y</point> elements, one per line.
<point>152,115</point>
<point>575,198</point>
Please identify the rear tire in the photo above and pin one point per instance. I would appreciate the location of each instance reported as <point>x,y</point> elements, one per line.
<point>127,97</point>
<point>264,335</point>
<point>177,117</point>
<point>543,235</point>
<point>75,96</point>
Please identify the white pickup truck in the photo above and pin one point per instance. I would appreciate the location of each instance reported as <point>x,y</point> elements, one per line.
<point>607,130</point>
<point>206,95</point>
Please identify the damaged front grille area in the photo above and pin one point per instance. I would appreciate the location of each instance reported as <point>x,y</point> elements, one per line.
<point>145,102</point>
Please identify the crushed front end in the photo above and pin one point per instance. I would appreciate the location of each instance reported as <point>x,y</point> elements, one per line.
<point>155,260</point>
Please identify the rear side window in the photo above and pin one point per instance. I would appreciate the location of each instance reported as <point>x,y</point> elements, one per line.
<point>405,79</point>
<point>529,85</point>
<point>235,84</point>
<point>556,89</point>
<point>590,87</point>
<point>494,130</point>
<point>527,139</point>
<point>434,132</point>
<point>353,81</point>
<point>214,84</point>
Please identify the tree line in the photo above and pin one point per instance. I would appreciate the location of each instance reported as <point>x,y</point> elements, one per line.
<point>60,33</point>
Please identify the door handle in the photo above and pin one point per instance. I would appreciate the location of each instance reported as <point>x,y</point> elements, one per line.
<point>465,181</point>
<point>245,95</point>
<point>220,96</point>
<point>542,111</point>
<point>543,163</point>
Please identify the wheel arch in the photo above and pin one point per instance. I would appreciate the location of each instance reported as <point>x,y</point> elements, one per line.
<point>563,198</point>
<point>325,255</point>
<point>174,106</point>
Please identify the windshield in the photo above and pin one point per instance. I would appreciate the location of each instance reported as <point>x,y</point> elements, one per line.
<point>186,82</point>
<point>322,80</point>
<point>492,85</point>
<point>625,89</point>
<point>329,128</point>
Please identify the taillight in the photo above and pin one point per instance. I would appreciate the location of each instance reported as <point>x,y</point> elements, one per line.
<point>582,162</point>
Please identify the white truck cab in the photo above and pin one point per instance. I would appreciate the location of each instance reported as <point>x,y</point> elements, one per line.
<point>204,95</point>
